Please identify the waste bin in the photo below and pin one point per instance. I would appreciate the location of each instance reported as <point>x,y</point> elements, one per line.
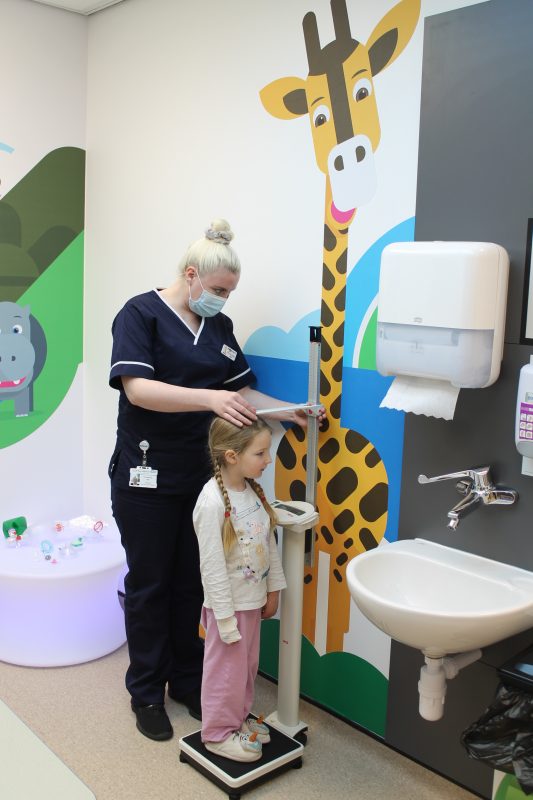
<point>503,736</point>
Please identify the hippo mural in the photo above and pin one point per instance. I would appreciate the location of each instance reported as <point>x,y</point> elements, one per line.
<point>22,355</point>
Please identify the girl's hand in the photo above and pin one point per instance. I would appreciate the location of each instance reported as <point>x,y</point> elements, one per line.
<point>271,605</point>
<point>233,407</point>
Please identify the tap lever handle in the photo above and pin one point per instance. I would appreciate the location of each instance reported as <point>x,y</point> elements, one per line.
<point>477,475</point>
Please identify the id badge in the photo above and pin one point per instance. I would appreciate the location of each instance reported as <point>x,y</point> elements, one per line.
<point>143,477</point>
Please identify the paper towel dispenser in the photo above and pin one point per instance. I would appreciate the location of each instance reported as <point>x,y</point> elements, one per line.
<point>441,311</point>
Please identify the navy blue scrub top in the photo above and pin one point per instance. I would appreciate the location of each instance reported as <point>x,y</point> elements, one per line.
<point>150,340</point>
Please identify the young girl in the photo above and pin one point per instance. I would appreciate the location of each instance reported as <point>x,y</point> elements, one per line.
<point>242,577</point>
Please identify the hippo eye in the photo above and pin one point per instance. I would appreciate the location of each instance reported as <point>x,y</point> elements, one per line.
<point>17,328</point>
<point>320,116</point>
<point>362,89</point>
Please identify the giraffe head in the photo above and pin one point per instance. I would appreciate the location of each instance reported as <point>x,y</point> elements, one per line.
<point>338,96</point>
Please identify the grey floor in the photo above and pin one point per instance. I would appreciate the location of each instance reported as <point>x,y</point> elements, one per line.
<point>82,714</point>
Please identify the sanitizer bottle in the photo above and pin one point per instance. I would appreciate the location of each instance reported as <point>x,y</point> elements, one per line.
<point>524,418</point>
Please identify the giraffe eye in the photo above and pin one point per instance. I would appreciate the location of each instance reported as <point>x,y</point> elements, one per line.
<point>320,116</point>
<point>362,90</point>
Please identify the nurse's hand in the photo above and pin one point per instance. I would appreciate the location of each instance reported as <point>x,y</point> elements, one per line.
<point>233,407</point>
<point>302,418</point>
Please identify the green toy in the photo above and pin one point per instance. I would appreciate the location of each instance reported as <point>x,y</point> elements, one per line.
<point>17,524</point>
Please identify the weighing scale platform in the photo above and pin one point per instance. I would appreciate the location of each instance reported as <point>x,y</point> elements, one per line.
<point>235,777</point>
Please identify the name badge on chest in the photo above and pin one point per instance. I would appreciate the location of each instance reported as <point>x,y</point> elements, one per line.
<point>143,477</point>
<point>229,352</point>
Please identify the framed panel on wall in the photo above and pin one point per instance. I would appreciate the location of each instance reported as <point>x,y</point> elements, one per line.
<point>526,331</point>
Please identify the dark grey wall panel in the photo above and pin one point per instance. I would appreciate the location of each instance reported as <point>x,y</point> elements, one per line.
<point>476,157</point>
<point>475,182</point>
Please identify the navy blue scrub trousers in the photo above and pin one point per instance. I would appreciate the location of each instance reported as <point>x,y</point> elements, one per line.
<point>163,593</point>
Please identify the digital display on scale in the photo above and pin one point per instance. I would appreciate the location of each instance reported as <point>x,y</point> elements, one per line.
<point>290,509</point>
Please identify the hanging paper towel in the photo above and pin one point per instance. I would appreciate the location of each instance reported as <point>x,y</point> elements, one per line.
<point>421,396</point>
<point>441,321</point>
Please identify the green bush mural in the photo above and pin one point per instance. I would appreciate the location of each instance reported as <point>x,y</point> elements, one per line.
<point>340,682</point>
<point>41,291</point>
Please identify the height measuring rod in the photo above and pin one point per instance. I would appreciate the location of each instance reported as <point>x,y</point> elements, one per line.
<point>312,408</point>
<point>315,338</point>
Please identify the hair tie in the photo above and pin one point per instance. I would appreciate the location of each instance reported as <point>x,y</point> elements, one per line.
<point>227,514</point>
<point>221,237</point>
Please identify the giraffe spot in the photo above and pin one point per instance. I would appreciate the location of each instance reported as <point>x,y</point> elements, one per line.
<point>325,351</point>
<point>342,559</point>
<point>297,490</point>
<point>326,534</point>
<point>348,543</point>
<point>367,539</point>
<point>328,281</point>
<point>328,450</point>
<point>335,408</point>
<point>338,336</point>
<point>374,504</point>
<point>342,485</point>
<point>373,458</point>
<point>340,300</point>
<point>325,386</point>
<point>326,316</point>
<point>308,578</point>
<point>286,454</point>
<point>337,575</point>
<point>344,520</point>
<point>325,426</point>
<point>342,262</point>
<point>330,240</point>
<point>299,433</point>
<point>355,442</point>
<point>336,371</point>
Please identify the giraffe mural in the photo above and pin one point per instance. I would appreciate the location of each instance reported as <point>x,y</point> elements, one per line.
<point>338,96</point>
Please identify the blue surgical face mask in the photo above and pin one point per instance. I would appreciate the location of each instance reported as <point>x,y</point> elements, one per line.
<point>208,304</point>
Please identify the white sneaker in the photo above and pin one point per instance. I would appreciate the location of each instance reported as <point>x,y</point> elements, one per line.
<point>252,725</point>
<point>238,747</point>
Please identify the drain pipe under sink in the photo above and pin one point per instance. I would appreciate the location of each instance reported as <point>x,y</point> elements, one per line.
<point>433,677</point>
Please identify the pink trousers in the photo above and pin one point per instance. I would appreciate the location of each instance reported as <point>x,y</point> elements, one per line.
<point>229,675</point>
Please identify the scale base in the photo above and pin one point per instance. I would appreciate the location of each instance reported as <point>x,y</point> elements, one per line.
<point>235,777</point>
<point>297,731</point>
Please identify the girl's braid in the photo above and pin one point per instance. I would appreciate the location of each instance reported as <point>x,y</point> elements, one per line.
<point>229,537</point>
<point>261,495</point>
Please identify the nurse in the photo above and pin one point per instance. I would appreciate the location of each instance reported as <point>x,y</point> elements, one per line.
<point>175,363</point>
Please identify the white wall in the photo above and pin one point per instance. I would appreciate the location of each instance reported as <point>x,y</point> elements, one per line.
<point>43,61</point>
<point>176,136</point>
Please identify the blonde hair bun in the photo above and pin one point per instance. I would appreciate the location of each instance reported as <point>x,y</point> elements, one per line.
<point>219,231</point>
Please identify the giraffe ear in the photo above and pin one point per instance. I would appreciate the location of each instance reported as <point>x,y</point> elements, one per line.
<point>285,98</point>
<point>390,36</point>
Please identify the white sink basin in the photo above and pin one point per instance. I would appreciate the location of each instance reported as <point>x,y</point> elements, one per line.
<point>438,599</point>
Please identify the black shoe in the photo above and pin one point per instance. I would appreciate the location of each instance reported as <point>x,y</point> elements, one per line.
<point>191,700</point>
<point>153,721</point>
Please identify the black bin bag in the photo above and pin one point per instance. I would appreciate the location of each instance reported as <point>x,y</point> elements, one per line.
<point>503,736</point>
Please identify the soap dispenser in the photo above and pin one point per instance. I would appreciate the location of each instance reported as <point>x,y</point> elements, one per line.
<point>524,418</point>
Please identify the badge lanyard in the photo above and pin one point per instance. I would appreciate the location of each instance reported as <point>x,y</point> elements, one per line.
<point>143,477</point>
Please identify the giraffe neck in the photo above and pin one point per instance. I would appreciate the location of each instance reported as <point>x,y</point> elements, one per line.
<point>332,318</point>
